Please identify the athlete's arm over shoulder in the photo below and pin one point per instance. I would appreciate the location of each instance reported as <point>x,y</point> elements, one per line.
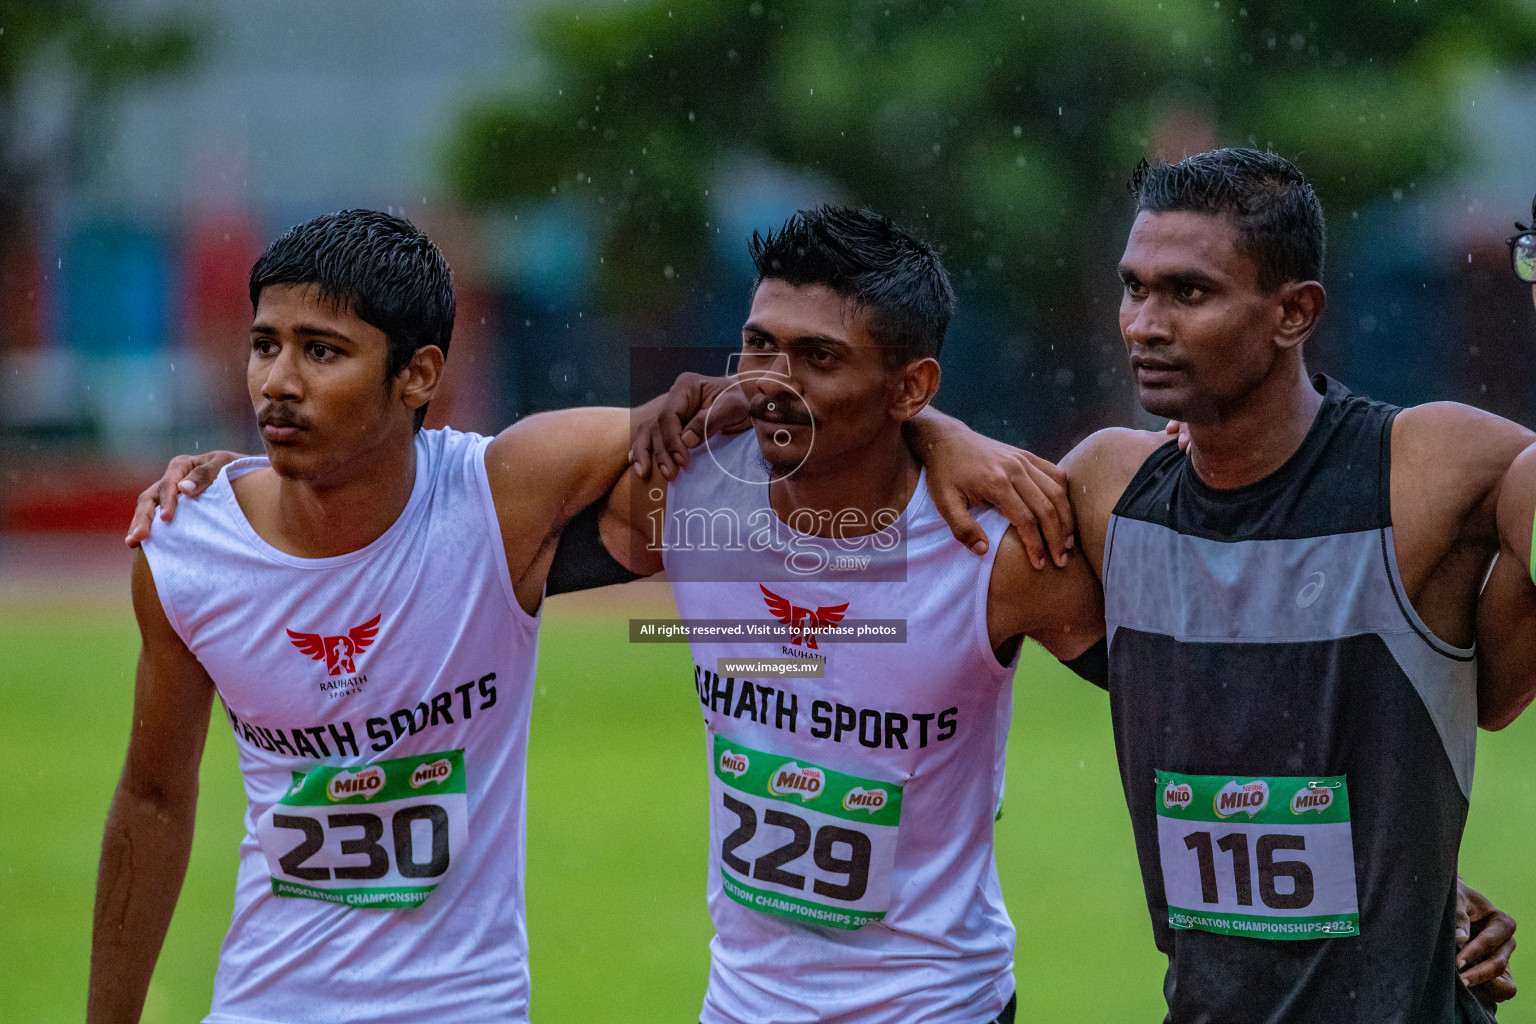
<point>1064,610</point>
<point>966,468</point>
<point>1506,609</point>
<point>1060,608</point>
<point>187,475</point>
<point>1448,467</point>
<point>1448,463</point>
<point>631,512</point>
<point>148,835</point>
<point>1098,471</point>
<point>543,470</point>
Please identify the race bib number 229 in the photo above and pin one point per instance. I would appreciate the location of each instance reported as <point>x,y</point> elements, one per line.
<point>380,835</point>
<point>802,841</point>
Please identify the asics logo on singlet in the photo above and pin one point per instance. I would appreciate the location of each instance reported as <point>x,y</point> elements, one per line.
<point>803,623</point>
<point>1311,590</point>
<point>338,651</point>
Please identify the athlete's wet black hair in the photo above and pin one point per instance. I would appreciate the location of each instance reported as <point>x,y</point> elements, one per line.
<point>1279,220</point>
<point>381,268</point>
<point>895,279</point>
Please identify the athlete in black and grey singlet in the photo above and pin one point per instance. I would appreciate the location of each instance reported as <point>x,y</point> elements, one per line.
<point>1296,746</point>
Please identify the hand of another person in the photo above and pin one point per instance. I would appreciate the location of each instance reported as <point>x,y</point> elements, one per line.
<point>966,468</point>
<point>1180,430</point>
<point>1485,937</point>
<point>187,475</point>
<point>695,408</point>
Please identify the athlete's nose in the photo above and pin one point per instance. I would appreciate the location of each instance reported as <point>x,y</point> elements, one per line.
<point>776,382</point>
<point>283,381</point>
<point>1144,324</point>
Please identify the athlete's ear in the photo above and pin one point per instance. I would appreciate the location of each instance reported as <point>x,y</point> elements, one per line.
<point>419,381</point>
<point>1301,307</point>
<point>919,383</point>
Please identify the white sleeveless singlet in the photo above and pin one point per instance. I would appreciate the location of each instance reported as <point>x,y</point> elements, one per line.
<point>851,870</point>
<point>379,702</point>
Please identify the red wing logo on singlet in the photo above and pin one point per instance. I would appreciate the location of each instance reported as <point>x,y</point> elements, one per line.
<point>338,651</point>
<point>803,623</point>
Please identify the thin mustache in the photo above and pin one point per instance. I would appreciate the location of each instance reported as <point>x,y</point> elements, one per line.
<point>785,411</point>
<point>279,414</point>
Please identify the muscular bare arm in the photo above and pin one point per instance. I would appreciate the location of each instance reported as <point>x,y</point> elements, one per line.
<point>628,525</point>
<point>1506,611</point>
<point>1062,608</point>
<point>1098,471</point>
<point>149,825</point>
<point>546,468</point>
<point>1448,467</point>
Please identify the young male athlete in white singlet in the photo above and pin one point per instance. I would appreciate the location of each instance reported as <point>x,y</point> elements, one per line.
<point>851,874</point>
<point>364,602</point>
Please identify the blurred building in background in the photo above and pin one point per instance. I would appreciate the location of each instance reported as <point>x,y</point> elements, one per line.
<point>155,181</point>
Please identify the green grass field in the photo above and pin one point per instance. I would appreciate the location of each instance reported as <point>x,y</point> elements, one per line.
<point>617,826</point>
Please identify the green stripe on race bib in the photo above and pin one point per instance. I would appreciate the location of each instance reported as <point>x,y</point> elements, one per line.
<point>803,784</point>
<point>1318,800</point>
<point>398,779</point>
<point>399,896</point>
<point>799,910</point>
<point>1253,926</point>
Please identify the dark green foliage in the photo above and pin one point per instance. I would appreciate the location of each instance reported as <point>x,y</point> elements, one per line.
<point>1004,131</point>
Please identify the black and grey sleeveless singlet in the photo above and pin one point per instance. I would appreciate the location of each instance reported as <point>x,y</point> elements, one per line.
<point>1296,746</point>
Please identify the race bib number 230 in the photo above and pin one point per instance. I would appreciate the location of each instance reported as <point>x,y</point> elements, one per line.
<point>1265,858</point>
<point>380,835</point>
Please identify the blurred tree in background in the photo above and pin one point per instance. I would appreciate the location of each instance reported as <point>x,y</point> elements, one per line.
<point>1004,132</point>
<point>59,60</point>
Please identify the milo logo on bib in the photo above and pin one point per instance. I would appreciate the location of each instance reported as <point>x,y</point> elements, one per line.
<point>425,774</point>
<point>1178,794</point>
<point>345,785</point>
<point>735,763</point>
<point>1313,798</point>
<point>793,780</point>
<point>1241,798</point>
<point>870,800</point>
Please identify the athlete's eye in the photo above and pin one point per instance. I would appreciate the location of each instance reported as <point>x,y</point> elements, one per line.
<point>1191,293</point>
<point>755,343</point>
<point>262,346</point>
<point>321,352</point>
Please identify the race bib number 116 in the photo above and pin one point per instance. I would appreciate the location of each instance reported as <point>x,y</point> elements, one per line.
<point>1265,858</point>
<point>380,835</point>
